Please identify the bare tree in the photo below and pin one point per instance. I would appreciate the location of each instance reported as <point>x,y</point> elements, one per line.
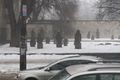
<point>109,10</point>
<point>3,21</point>
<point>12,19</point>
<point>15,23</point>
<point>65,9</point>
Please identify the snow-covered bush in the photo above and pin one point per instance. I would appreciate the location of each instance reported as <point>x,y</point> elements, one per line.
<point>92,37</point>
<point>58,39</point>
<point>77,41</point>
<point>65,41</point>
<point>33,39</point>
<point>112,37</point>
<point>88,35</point>
<point>40,38</point>
<point>47,40</point>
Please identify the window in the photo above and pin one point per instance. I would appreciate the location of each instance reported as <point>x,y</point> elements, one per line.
<point>57,67</point>
<point>86,77</point>
<point>98,77</point>
<point>64,64</point>
<point>117,77</point>
<point>73,62</point>
<point>106,77</point>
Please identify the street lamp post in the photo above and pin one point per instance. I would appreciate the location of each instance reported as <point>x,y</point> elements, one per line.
<point>23,43</point>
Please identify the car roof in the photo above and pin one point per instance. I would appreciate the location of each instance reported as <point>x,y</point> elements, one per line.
<point>83,57</point>
<point>92,67</point>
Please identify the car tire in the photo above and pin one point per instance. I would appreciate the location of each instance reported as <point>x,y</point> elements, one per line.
<point>30,79</point>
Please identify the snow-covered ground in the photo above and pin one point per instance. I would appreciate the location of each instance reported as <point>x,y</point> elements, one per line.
<point>87,47</point>
<point>10,62</point>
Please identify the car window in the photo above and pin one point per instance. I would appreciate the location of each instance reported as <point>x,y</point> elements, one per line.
<point>109,76</point>
<point>106,77</point>
<point>73,62</point>
<point>57,66</point>
<point>117,77</point>
<point>86,77</point>
<point>98,77</point>
<point>64,64</point>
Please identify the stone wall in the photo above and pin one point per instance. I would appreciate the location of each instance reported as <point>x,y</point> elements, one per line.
<point>47,28</point>
<point>106,28</point>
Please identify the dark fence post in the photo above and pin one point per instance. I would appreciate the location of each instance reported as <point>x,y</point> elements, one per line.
<point>23,43</point>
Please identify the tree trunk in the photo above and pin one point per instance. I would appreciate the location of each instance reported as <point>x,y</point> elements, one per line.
<point>14,42</point>
<point>35,13</point>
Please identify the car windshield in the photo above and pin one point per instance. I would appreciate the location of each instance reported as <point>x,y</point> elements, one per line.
<point>62,75</point>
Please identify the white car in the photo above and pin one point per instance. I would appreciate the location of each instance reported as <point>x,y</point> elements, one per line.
<point>108,71</point>
<point>44,73</point>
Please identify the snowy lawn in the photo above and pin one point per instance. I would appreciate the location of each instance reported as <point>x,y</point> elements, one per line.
<point>87,47</point>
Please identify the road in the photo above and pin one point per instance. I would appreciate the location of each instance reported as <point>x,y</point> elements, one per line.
<point>7,76</point>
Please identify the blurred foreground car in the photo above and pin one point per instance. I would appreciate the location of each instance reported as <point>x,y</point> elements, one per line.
<point>44,73</point>
<point>89,72</point>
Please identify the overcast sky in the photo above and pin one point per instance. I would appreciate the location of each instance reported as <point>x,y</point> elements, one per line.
<point>87,10</point>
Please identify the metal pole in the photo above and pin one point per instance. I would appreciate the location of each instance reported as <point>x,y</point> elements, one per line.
<point>23,43</point>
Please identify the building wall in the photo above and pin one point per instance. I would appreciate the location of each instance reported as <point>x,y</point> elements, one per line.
<point>106,28</point>
<point>36,27</point>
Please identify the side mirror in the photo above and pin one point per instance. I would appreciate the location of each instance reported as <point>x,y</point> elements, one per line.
<point>48,69</point>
